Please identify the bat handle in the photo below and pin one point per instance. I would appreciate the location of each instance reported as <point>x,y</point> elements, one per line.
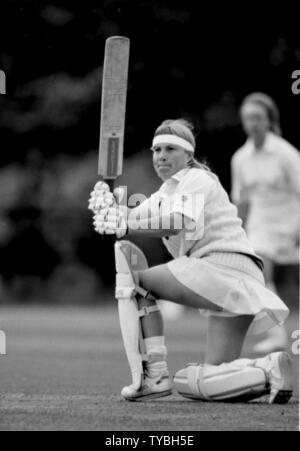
<point>110,239</point>
<point>111,184</point>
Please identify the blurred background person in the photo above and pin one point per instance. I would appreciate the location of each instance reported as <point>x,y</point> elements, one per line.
<point>266,188</point>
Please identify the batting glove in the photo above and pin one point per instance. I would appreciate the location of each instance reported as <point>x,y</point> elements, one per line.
<point>111,221</point>
<point>101,197</point>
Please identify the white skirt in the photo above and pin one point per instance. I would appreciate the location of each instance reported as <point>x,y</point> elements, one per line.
<point>235,284</point>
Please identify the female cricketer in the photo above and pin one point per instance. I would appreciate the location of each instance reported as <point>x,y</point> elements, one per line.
<point>214,269</point>
<point>266,190</point>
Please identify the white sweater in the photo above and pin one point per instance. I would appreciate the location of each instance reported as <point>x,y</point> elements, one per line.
<point>268,181</point>
<point>222,231</point>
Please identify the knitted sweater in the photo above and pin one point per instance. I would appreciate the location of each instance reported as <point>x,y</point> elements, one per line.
<point>220,229</point>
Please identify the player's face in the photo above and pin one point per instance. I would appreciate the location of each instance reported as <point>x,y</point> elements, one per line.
<point>168,159</point>
<point>255,120</point>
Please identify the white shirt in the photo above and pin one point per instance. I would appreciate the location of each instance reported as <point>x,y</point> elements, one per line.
<point>269,181</point>
<point>218,228</point>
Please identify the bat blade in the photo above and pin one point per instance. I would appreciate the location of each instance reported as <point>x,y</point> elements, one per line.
<point>113,108</point>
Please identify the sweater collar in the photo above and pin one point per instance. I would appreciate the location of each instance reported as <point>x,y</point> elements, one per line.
<point>180,175</point>
<point>268,146</point>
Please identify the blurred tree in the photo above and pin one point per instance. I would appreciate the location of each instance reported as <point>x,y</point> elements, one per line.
<point>185,61</point>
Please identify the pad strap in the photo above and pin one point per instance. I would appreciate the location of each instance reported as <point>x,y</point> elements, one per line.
<point>144,293</point>
<point>196,380</point>
<point>151,358</point>
<point>145,311</point>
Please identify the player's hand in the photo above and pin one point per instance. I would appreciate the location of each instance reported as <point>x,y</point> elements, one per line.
<point>101,197</point>
<point>111,221</point>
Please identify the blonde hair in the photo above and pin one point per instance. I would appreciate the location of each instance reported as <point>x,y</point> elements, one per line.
<point>184,129</point>
<point>262,99</point>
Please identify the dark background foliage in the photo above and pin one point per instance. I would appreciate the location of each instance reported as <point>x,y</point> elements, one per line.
<point>186,61</point>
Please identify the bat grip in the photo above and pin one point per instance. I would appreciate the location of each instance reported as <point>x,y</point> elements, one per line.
<point>110,239</point>
<point>111,184</point>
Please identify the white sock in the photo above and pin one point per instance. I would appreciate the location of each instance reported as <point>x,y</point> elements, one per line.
<point>157,351</point>
<point>155,342</point>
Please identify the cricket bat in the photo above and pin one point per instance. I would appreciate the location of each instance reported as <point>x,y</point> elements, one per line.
<point>113,108</point>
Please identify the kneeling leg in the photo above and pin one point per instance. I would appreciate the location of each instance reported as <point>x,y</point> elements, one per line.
<point>141,326</point>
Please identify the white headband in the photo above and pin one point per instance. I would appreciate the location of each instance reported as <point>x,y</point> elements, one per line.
<point>173,139</point>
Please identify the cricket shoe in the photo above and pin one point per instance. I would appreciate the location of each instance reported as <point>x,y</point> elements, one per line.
<point>278,367</point>
<point>151,388</point>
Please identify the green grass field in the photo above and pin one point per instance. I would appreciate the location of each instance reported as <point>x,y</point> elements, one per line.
<point>65,367</point>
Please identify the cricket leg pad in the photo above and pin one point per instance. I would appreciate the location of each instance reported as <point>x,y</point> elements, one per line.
<point>129,259</point>
<point>225,383</point>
